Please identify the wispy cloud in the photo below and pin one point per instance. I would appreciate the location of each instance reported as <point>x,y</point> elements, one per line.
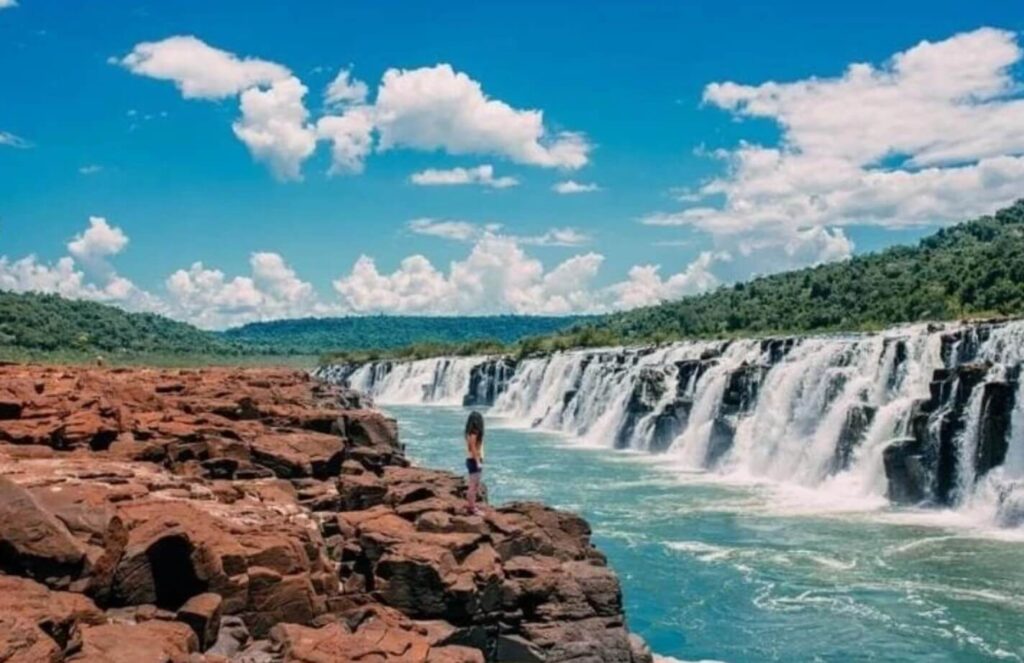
<point>557,237</point>
<point>10,140</point>
<point>90,169</point>
<point>467,231</point>
<point>572,186</point>
<point>460,231</point>
<point>482,175</point>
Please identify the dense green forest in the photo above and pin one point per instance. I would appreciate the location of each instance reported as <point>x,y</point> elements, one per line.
<point>973,269</point>
<point>317,335</point>
<point>42,326</point>
<point>48,323</point>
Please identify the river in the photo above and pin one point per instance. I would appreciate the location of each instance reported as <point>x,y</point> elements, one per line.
<point>715,568</point>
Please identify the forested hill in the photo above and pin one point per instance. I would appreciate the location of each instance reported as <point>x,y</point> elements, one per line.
<point>969,270</point>
<point>37,325</point>
<point>317,335</point>
<point>48,323</point>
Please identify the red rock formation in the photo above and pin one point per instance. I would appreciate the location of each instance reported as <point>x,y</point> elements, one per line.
<point>256,515</point>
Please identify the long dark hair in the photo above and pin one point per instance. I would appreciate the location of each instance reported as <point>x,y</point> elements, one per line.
<point>475,424</point>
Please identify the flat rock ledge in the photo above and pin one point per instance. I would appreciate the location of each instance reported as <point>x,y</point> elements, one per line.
<point>259,516</point>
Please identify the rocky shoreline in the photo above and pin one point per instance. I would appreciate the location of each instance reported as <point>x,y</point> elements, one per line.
<point>258,516</point>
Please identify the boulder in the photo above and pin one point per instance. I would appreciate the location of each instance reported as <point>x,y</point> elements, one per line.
<point>37,624</point>
<point>33,541</point>
<point>202,613</point>
<point>149,642</point>
<point>361,491</point>
<point>232,637</point>
<point>906,464</point>
<point>275,599</point>
<point>648,389</point>
<point>741,389</point>
<point>855,427</point>
<point>299,454</point>
<point>488,380</point>
<point>23,641</point>
<point>997,404</point>
<point>379,635</point>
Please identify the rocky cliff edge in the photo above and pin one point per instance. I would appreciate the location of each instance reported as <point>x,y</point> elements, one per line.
<point>259,516</point>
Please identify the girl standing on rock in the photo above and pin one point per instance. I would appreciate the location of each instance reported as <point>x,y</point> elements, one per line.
<point>474,458</point>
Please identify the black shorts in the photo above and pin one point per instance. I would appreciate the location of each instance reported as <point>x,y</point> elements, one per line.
<point>473,467</point>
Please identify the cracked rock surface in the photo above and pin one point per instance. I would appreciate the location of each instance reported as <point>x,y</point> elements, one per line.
<point>259,516</point>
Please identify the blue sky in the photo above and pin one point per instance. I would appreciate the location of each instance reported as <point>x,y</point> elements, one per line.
<point>707,180</point>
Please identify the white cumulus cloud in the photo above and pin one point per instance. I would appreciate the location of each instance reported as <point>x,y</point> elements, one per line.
<point>433,108</point>
<point>351,138</point>
<point>273,126</point>
<point>209,298</point>
<point>203,296</point>
<point>99,241</point>
<point>498,276</point>
<point>645,287</point>
<point>200,70</point>
<point>933,135</point>
<point>430,108</point>
<point>482,175</point>
<point>344,90</point>
<point>273,122</point>
<point>84,274</point>
<point>29,274</point>
<point>7,4</point>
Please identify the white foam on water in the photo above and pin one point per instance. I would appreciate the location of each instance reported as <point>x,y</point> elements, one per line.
<point>705,552</point>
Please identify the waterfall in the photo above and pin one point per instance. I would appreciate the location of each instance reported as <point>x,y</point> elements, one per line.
<point>927,414</point>
<point>439,381</point>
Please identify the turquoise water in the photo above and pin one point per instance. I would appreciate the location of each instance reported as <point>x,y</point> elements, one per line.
<point>712,571</point>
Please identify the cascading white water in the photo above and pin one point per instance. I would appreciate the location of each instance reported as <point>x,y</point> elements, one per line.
<point>440,380</point>
<point>849,415</point>
<point>895,389</point>
<point>999,495</point>
<point>692,445</point>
